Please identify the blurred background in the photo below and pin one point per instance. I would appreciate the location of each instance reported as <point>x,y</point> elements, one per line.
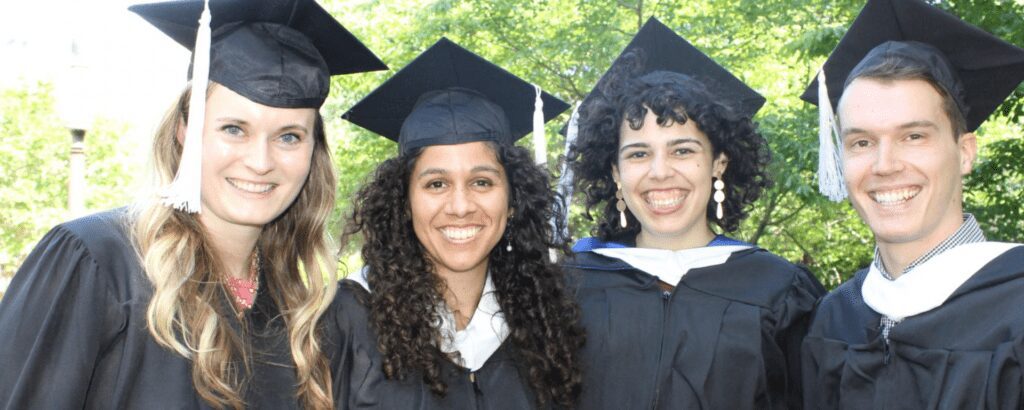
<point>84,83</point>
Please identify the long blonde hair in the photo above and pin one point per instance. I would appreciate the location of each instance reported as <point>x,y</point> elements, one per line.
<point>182,265</point>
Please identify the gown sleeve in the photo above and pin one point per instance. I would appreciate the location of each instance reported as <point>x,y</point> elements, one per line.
<point>345,324</point>
<point>793,316</point>
<point>55,321</point>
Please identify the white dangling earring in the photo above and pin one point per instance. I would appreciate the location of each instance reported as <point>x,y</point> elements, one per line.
<point>620,204</point>
<point>508,235</point>
<point>719,197</point>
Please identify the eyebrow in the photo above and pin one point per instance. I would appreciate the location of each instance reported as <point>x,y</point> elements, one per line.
<point>671,143</point>
<point>919,124</point>
<point>441,171</point>
<point>296,127</point>
<point>233,119</point>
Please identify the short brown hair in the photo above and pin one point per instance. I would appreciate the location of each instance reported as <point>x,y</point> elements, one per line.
<point>893,68</point>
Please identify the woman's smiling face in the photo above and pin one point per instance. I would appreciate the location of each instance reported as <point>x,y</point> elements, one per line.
<point>665,173</point>
<point>459,196</point>
<point>255,159</point>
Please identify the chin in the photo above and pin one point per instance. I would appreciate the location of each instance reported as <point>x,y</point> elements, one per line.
<point>894,235</point>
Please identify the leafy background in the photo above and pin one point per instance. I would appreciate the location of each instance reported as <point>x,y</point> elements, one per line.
<point>562,45</point>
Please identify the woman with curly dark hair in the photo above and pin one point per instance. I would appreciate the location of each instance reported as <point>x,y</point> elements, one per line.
<point>676,315</point>
<point>458,305</point>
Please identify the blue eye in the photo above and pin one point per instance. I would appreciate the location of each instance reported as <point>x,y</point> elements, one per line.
<point>290,139</point>
<point>232,129</point>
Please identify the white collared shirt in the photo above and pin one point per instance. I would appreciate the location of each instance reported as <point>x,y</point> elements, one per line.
<point>484,334</point>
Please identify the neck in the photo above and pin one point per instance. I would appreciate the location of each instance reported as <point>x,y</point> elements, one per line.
<point>464,290</point>
<point>234,246</point>
<point>695,238</point>
<point>897,256</point>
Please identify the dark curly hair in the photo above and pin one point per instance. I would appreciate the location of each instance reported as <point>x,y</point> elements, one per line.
<point>674,98</point>
<point>543,319</point>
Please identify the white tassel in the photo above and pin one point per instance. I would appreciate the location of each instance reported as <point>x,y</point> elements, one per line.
<point>565,180</point>
<point>540,143</point>
<point>183,193</point>
<point>830,171</point>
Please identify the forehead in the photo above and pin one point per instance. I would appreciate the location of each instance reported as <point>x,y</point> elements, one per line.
<point>222,101</point>
<point>652,133</point>
<point>876,105</point>
<point>458,157</point>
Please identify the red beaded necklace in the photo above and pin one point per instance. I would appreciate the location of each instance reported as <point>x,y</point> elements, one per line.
<point>243,291</point>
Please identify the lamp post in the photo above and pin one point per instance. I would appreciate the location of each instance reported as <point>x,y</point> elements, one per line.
<point>77,116</point>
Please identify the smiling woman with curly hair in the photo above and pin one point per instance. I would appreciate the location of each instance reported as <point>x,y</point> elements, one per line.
<point>458,305</point>
<point>676,315</point>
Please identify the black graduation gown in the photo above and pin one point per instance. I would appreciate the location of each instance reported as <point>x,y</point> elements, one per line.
<point>966,354</point>
<point>727,337</point>
<point>73,331</point>
<point>360,383</point>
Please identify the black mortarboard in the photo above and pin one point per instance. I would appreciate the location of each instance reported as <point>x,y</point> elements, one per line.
<point>448,95</point>
<point>977,69</point>
<point>664,50</point>
<point>278,53</point>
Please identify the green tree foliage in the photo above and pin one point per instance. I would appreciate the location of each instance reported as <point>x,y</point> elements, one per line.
<point>563,46</point>
<point>776,46</point>
<point>34,167</point>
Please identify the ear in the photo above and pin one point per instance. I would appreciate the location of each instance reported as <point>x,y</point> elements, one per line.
<point>615,174</point>
<point>719,166</point>
<point>968,147</point>
<point>180,134</point>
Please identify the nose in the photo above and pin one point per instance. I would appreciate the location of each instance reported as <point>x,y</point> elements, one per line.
<point>461,202</point>
<point>660,168</point>
<point>259,156</point>
<point>887,160</point>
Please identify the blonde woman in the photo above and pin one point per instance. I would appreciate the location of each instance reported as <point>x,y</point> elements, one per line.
<point>155,307</point>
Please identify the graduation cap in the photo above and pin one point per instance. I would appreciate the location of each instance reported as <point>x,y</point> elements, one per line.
<point>977,69</point>
<point>448,95</point>
<point>279,53</point>
<point>664,50</point>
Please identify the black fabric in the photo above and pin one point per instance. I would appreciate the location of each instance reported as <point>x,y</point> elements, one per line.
<point>664,50</point>
<point>966,354</point>
<point>449,95</point>
<point>279,53</point>
<point>360,383</point>
<point>727,337</point>
<point>73,331</point>
<point>453,116</point>
<point>978,69</point>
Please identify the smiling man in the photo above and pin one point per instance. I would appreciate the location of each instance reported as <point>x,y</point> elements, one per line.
<point>936,321</point>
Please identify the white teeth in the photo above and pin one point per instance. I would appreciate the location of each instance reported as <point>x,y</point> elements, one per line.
<point>460,234</point>
<point>895,196</point>
<point>251,187</point>
<point>665,203</point>
<point>664,199</point>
